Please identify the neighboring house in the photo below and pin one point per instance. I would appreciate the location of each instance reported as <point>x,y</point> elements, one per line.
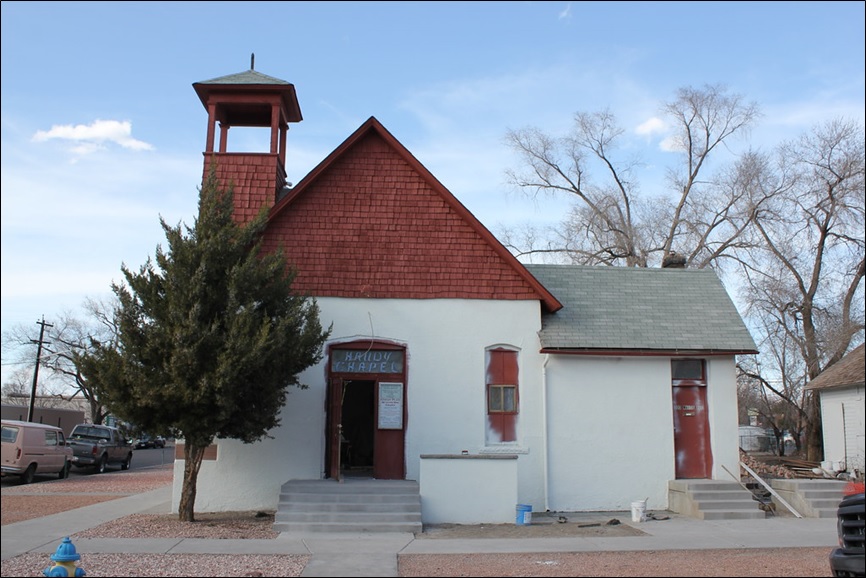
<point>600,384</point>
<point>840,388</point>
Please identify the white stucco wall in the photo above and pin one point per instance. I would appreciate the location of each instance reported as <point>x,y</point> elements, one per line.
<point>610,424</point>
<point>609,420</point>
<point>472,489</point>
<point>842,412</point>
<point>445,343</point>
<point>724,419</point>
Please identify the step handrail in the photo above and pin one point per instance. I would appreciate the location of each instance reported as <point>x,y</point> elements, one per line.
<point>736,479</point>
<point>769,489</point>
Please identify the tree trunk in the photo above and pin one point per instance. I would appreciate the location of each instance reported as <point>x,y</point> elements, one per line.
<point>192,455</point>
<point>814,440</point>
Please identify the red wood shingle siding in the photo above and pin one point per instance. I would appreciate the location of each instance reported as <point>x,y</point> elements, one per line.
<point>256,178</point>
<point>370,226</point>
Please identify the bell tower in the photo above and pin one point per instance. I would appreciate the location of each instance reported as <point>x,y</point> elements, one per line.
<point>248,99</point>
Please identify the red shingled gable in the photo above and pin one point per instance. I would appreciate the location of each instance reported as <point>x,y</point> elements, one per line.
<point>371,221</point>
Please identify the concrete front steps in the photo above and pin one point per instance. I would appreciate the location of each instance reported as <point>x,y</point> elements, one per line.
<point>712,500</point>
<point>352,505</point>
<point>812,498</point>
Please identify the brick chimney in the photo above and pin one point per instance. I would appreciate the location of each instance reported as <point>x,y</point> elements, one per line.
<point>249,99</point>
<point>674,260</point>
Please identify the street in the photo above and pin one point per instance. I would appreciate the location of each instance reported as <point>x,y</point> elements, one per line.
<point>141,459</point>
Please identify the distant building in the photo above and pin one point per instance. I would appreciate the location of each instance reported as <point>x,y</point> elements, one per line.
<point>64,418</point>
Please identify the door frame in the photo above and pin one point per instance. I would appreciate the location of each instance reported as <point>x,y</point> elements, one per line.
<point>390,462</point>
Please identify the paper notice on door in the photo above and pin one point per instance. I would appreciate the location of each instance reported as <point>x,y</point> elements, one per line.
<point>390,405</point>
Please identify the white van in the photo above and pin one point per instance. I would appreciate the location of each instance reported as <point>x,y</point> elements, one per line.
<point>31,449</point>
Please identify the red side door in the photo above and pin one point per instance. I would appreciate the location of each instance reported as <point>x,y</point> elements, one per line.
<point>694,458</point>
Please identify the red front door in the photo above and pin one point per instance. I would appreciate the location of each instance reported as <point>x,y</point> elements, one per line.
<point>694,457</point>
<point>389,462</point>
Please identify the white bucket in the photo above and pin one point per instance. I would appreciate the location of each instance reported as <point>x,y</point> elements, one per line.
<point>638,511</point>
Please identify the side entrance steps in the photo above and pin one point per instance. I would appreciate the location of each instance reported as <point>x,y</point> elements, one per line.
<point>713,500</point>
<point>352,505</point>
<point>812,498</point>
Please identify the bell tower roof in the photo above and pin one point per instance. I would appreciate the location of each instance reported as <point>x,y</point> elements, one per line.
<point>243,99</point>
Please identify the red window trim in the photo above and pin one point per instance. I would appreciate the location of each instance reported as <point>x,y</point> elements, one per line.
<point>492,381</point>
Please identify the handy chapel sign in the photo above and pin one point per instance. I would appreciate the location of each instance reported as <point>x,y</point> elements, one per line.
<point>364,361</point>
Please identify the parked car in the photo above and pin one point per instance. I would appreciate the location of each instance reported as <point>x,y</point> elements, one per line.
<point>146,441</point>
<point>31,449</point>
<point>848,559</point>
<point>99,446</point>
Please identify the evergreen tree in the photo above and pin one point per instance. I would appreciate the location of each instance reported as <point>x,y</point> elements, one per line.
<point>210,339</point>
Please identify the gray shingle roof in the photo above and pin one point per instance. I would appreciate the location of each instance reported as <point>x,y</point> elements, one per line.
<point>246,77</point>
<point>641,309</point>
<point>848,371</point>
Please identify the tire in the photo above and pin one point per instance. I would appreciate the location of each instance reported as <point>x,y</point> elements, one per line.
<point>29,474</point>
<point>126,462</point>
<point>102,465</point>
<point>64,473</point>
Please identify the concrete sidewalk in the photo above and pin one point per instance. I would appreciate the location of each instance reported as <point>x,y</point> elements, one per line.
<point>375,554</point>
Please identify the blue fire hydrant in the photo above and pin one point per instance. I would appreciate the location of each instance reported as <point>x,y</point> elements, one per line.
<point>64,561</point>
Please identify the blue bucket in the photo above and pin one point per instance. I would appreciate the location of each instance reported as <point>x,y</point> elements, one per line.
<point>524,515</point>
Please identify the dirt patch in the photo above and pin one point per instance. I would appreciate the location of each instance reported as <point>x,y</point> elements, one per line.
<point>212,525</point>
<point>20,508</point>
<point>542,526</point>
<point>769,562</point>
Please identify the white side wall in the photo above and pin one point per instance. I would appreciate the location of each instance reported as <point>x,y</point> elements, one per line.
<point>843,423</point>
<point>610,424</point>
<point>473,489</point>
<point>724,418</point>
<point>445,355</point>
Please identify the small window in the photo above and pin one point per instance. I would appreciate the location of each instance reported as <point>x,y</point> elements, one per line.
<point>50,438</point>
<point>688,371</point>
<point>502,398</point>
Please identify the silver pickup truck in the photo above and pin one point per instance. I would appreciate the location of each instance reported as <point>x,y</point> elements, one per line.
<point>99,446</point>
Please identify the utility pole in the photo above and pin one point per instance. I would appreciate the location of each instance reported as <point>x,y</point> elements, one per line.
<point>42,327</point>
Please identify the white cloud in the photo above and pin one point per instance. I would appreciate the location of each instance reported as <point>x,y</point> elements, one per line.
<point>671,144</point>
<point>652,126</point>
<point>566,14</point>
<point>92,137</point>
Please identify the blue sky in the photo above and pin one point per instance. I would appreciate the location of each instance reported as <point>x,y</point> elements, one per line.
<point>102,132</point>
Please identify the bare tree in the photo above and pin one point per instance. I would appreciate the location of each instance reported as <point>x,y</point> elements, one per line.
<point>65,341</point>
<point>17,390</point>
<point>610,222</point>
<point>804,281</point>
<point>779,402</point>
